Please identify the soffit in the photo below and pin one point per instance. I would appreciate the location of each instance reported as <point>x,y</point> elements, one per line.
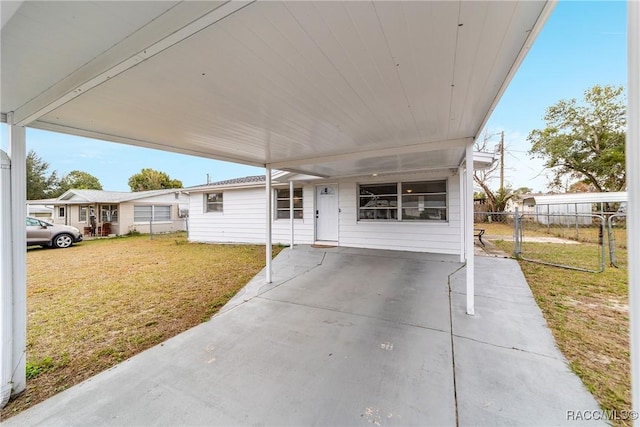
<point>285,83</point>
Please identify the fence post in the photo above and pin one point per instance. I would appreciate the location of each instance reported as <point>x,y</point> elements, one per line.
<point>516,238</point>
<point>575,207</point>
<point>612,242</point>
<point>602,242</point>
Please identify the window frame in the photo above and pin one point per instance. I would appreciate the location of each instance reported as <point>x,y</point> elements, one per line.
<point>285,211</point>
<point>83,213</point>
<point>396,213</point>
<point>218,203</point>
<point>152,214</point>
<point>387,209</point>
<point>62,211</point>
<point>425,195</point>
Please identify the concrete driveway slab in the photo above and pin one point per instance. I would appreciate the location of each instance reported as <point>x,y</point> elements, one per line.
<point>345,337</point>
<point>542,390</point>
<point>501,278</point>
<point>396,289</point>
<point>518,326</point>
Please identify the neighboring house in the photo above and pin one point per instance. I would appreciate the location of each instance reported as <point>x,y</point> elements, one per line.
<point>42,209</point>
<point>570,208</point>
<point>97,212</point>
<point>411,211</point>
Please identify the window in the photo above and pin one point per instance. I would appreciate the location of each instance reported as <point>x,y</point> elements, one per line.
<point>31,222</point>
<point>60,211</point>
<point>213,202</point>
<point>378,201</point>
<point>424,200</point>
<point>404,201</point>
<point>282,203</point>
<point>82,213</point>
<point>146,213</point>
<point>109,213</point>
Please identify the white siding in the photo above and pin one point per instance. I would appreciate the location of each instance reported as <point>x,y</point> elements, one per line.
<point>419,236</point>
<point>127,217</point>
<point>243,219</point>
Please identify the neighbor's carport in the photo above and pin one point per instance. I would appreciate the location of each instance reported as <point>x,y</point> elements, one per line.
<point>328,89</point>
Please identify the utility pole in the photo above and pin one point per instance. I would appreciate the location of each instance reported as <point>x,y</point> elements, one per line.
<point>501,160</point>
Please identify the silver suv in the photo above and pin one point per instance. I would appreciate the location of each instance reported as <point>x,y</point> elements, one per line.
<point>43,233</point>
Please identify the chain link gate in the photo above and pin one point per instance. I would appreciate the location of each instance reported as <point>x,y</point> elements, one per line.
<point>572,241</point>
<point>617,236</point>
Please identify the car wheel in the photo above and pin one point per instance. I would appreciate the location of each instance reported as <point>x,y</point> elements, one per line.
<point>62,241</point>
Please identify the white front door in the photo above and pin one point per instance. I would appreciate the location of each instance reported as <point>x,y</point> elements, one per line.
<point>327,212</point>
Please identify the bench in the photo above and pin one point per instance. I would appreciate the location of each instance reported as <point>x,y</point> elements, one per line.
<point>478,232</point>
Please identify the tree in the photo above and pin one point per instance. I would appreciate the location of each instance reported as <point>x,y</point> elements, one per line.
<point>149,179</point>
<point>39,184</point>
<point>496,200</point>
<point>580,187</point>
<point>80,180</point>
<point>585,141</point>
<point>522,190</point>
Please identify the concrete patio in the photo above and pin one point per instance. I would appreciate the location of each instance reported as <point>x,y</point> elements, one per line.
<point>346,337</point>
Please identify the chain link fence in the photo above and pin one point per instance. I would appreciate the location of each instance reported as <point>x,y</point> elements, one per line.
<point>574,241</point>
<point>160,227</point>
<point>617,238</point>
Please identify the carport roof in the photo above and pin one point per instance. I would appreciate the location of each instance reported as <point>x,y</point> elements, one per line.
<point>324,88</point>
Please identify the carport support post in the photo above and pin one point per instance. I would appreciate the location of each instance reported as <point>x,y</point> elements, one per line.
<point>468,226</point>
<point>463,193</point>
<point>268,221</point>
<point>633,180</point>
<point>6,276</point>
<point>291,210</point>
<point>13,309</point>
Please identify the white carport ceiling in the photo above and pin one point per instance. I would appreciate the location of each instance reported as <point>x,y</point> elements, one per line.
<point>328,88</point>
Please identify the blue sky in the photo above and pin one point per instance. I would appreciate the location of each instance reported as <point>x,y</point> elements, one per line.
<point>582,44</point>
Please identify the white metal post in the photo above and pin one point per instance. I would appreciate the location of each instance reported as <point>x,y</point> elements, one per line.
<point>268,222</point>
<point>468,225</point>
<point>633,187</point>
<point>18,155</point>
<point>462,193</point>
<point>6,284</point>
<point>291,200</point>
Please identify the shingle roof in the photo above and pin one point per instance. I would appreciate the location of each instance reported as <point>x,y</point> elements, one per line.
<point>243,180</point>
<point>100,196</point>
<point>253,179</point>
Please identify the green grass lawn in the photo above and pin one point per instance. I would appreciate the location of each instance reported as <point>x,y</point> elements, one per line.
<point>102,301</point>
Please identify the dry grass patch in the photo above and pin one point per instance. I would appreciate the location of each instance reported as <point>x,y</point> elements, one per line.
<point>100,302</point>
<point>589,318</point>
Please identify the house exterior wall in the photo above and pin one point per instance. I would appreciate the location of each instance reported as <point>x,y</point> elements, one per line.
<point>243,219</point>
<point>420,236</point>
<point>72,216</point>
<point>126,221</point>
